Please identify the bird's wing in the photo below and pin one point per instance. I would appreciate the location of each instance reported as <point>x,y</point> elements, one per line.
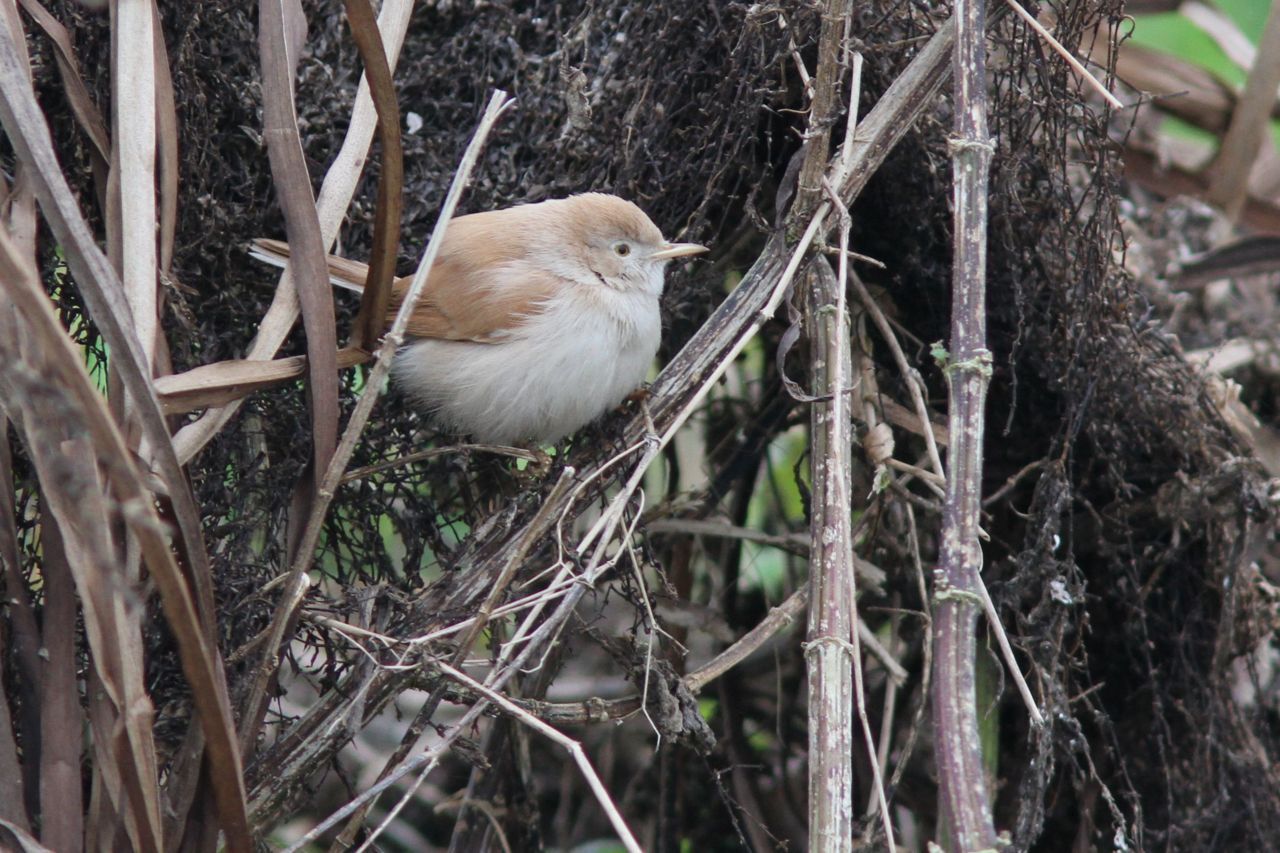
<point>469,308</point>
<point>480,288</point>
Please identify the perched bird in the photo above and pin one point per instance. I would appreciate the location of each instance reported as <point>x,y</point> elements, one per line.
<point>535,319</point>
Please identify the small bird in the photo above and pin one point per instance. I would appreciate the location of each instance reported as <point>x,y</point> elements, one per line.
<point>535,319</point>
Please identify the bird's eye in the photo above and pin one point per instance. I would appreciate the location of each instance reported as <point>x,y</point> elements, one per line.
<point>623,249</point>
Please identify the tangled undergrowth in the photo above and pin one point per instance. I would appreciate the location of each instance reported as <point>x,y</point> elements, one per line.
<point>1127,527</point>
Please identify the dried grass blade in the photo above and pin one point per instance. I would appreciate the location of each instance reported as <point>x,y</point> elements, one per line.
<point>63,369</point>
<point>281,30</point>
<point>61,742</point>
<point>80,551</point>
<point>26,643</point>
<point>103,295</point>
<point>17,779</point>
<point>11,19</point>
<point>103,822</point>
<point>17,200</point>
<point>12,790</point>
<point>22,840</point>
<point>210,384</point>
<point>180,790</point>
<point>372,318</point>
<point>132,196</point>
<point>166,145</point>
<point>72,495</point>
<point>22,625</point>
<point>106,822</point>
<point>335,195</point>
<point>223,381</point>
<point>82,105</point>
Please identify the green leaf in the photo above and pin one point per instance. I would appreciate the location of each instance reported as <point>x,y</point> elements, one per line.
<point>1249,15</point>
<point>1170,32</point>
<point>940,354</point>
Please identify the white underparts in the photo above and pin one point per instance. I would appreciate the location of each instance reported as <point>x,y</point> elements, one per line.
<point>555,373</point>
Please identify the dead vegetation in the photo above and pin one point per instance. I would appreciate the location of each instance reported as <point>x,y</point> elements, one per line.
<point>644,589</point>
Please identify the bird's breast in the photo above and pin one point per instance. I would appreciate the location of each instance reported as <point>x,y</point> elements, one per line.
<point>604,325</point>
<point>560,368</point>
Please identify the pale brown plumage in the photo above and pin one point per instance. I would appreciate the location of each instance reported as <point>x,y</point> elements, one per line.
<point>456,305</point>
<point>468,297</point>
<point>534,319</point>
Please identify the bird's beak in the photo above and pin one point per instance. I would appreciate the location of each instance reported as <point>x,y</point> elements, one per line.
<point>677,250</point>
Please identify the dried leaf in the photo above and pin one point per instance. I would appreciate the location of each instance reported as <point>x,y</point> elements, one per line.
<point>82,105</point>
<point>335,195</point>
<point>131,197</point>
<point>225,381</point>
<point>61,725</point>
<point>166,145</point>
<point>23,842</point>
<point>64,369</point>
<point>281,28</point>
<point>376,298</point>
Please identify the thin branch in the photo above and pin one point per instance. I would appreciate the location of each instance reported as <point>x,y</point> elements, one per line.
<point>574,748</point>
<point>434,452</point>
<point>839,354</point>
<point>473,627</point>
<point>926,646</point>
<point>285,611</point>
<point>909,375</point>
<point>1067,56</point>
<point>677,391</point>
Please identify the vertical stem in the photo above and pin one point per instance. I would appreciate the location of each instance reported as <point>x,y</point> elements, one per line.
<point>965,800</point>
<point>828,650</point>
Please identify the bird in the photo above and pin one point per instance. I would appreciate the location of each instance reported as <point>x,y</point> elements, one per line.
<point>535,319</point>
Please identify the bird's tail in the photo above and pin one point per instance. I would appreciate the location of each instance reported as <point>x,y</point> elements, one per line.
<point>344,273</point>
